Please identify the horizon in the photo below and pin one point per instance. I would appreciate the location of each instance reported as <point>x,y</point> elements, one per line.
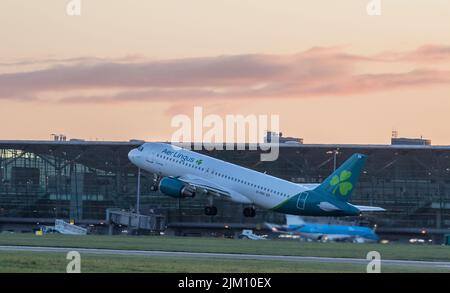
<point>137,140</point>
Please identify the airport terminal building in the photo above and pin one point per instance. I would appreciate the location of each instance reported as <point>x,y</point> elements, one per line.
<point>41,181</point>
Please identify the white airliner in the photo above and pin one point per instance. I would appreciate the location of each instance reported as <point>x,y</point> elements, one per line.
<point>183,173</point>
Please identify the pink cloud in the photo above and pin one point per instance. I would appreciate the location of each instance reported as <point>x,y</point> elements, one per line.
<point>425,54</point>
<point>318,71</point>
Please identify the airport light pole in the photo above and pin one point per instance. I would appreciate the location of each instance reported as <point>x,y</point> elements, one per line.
<point>334,162</point>
<point>138,191</point>
<point>335,153</point>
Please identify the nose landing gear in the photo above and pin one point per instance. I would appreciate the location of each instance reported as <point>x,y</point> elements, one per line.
<point>155,183</point>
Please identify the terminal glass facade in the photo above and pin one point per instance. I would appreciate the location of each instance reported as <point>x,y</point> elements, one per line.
<point>80,180</point>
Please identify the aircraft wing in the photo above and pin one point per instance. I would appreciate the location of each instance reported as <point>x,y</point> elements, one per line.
<point>369,209</point>
<point>343,237</point>
<point>336,237</point>
<point>211,187</point>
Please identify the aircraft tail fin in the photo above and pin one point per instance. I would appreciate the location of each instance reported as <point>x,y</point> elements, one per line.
<point>292,220</point>
<point>342,182</point>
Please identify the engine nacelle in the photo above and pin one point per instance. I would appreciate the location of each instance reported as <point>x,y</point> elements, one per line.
<point>176,188</point>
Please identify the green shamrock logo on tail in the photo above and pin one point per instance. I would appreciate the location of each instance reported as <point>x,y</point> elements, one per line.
<point>341,182</point>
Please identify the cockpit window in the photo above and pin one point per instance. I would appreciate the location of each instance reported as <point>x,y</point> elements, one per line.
<point>141,148</point>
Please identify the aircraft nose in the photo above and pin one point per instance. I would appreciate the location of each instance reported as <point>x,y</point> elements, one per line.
<point>132,155</point>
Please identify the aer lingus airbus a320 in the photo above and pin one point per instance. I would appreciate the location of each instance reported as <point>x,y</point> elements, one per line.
<point>183,173</point>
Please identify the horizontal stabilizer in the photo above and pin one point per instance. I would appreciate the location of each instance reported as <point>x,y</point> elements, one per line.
<point>369,209</point>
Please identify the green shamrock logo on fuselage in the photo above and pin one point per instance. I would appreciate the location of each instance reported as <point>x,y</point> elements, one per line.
<point>341,182</point>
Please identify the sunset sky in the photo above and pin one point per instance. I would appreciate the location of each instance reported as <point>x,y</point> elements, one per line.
<point>123,69</point>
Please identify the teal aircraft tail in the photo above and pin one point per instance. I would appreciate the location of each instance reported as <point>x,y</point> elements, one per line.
<point>342,182</point>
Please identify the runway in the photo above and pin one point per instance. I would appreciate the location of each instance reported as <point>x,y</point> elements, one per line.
<point>145,253</point>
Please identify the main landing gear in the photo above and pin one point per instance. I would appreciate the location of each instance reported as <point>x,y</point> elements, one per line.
<point>249,212</point>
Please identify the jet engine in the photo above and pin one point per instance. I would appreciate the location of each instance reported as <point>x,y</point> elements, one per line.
<point>176,188</point>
